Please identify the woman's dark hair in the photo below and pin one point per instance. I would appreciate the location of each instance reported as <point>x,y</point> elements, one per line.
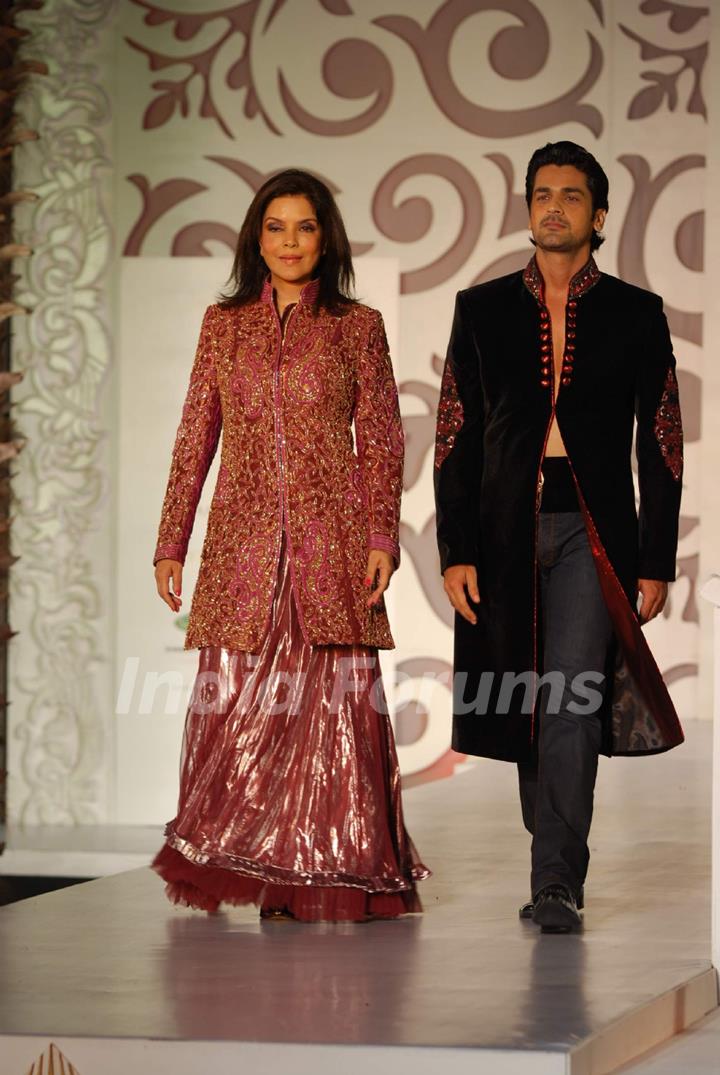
<point>334,269</point>
<point>561,153</point>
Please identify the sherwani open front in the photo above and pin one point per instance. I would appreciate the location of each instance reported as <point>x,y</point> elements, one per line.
<point>289,793</point>
<point>495,413</point>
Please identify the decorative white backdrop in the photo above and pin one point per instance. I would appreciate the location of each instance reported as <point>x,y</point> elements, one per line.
<point>422,115</point>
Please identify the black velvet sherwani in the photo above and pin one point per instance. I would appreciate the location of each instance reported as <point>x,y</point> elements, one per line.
<point>494,417</point>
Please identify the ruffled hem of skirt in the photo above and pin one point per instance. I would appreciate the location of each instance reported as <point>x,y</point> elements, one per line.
<point>280,876</point>
<point>204,888</point>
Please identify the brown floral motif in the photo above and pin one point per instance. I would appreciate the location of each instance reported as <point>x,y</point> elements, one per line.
<point>516,52</point>
<point>502,266</point>
<point>515,215</point>
<point>411,219</point>
<point>688,567</point>
<point>421,547</point>
<point>668,427</point>
<point>683,17</point>
<point>173,94</point>
<point>420,428</point>
<point>514,221</point>
<point>353,69</point>
<point>663,88</point>
<point>647,189</point>
<point>156,201</point>
<point>597,6</point>
<point>690,241</point>
<point>357,69</point>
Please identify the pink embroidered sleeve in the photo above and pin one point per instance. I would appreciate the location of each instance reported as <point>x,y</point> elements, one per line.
<point>379,437</point>
<point>195,444</point>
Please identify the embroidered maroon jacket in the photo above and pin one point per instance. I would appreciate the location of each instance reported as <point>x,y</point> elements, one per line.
<point>495,411</point>
<point>286,408</point>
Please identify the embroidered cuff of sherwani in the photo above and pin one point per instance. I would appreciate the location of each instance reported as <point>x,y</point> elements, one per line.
<point>386,544</point>
<point>169,552</point>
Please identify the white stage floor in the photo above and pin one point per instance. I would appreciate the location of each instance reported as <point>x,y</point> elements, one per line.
<point>118,978</point>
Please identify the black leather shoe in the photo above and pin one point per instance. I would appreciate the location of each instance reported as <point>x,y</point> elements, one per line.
<point>555,910</point>
<point>526,911</point>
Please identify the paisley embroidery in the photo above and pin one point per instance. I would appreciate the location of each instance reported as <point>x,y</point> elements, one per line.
<point>255,559</point>
<point>287,460</point>
<point>449,417</point>
<point>304,384</point>
<point>668,426</point>
<point>313,564</point>
<point>357,493</point>
<point>253,358</point>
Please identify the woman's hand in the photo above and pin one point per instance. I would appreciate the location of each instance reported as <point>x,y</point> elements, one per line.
<point>165,571</point>
<point>380,567</point>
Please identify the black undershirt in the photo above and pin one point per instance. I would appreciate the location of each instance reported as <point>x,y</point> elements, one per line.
<point>558,490</point>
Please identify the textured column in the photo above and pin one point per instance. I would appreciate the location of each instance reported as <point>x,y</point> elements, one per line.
<point>61,681</point>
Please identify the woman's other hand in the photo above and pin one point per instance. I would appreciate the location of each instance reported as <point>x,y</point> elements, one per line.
<point>380,567</point>
<point>165,572</point>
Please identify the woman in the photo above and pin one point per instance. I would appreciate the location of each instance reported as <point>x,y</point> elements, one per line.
<point>289,789</point>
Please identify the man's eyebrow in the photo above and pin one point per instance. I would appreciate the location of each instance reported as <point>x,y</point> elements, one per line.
<point>565,190</point>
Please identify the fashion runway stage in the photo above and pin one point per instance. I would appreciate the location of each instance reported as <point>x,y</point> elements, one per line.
<point>112,977</point>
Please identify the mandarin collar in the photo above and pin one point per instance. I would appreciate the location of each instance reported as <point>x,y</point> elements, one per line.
<point>308,295</point>
<point>581,282</point>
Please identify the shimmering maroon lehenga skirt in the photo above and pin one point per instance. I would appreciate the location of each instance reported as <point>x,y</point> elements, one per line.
<point>289,783</point>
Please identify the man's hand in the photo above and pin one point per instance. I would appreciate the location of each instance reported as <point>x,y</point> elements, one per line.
<point>654,595</point>
<point>380,567</point>
<point>458,579</point>
<point>165,571</point>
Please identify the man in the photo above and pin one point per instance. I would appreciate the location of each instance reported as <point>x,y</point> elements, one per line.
<point>544,558</point>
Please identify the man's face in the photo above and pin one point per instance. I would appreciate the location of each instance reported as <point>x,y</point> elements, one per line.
<point>561,211</point>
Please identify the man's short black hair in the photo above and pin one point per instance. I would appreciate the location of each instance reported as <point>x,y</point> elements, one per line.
<point>561,153</point>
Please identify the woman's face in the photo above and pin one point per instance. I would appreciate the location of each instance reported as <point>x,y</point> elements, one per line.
<point>291,239</point>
